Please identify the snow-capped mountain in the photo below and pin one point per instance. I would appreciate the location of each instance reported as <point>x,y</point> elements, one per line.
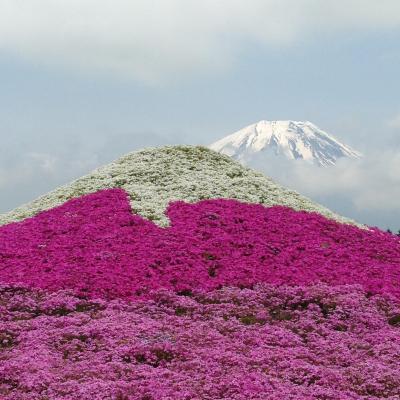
<point>293,139</point>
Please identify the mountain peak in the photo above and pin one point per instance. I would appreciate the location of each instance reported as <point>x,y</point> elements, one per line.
<point>293,139</point>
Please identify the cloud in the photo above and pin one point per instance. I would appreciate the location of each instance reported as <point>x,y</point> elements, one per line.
<point>26,167</point>
<point>155,41</point>
<point>372,183</point>
<point>27,175</point>
<point>394,122</point>
<point>367,189</point>
<point>45,162</point>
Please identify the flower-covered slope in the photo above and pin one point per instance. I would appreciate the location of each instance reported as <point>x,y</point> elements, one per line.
<point>96,247</point>
<point>265,343</point>
<point>155,177</point>
<point>231,301</point>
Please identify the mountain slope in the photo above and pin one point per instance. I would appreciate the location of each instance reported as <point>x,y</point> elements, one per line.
<point>95,246</point>
<point>155,177</point>
<point>293,139</point>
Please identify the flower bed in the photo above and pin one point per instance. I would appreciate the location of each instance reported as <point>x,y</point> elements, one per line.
<point>230,301</point>
<point>96,247</point>
<point>266,343</point>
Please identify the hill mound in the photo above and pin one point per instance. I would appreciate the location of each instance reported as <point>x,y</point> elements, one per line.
<point>155,177</point>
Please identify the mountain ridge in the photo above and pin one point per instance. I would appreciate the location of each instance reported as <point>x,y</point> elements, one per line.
<point>293,139</point>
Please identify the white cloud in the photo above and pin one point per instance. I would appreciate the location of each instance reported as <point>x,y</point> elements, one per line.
<point>394,122</point>
<point>162,40</point>
<point>367,190</point>
<point>372,183</point>
<point>27,167</point>
<point>26,175</point>
<point>378,186</point>
<point>43,161</point>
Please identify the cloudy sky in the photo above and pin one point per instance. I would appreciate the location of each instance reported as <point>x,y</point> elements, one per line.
<point>85,81</point>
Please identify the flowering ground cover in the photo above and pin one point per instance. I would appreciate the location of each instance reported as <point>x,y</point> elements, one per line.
<point>268,343</point>
<point>96,247</point>
<point>230,301</point>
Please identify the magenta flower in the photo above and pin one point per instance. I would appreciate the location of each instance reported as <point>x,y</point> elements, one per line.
<point>95,246</point>
<point>269,342</point>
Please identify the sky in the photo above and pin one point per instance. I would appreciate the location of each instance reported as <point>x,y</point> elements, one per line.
<point>84,81</point>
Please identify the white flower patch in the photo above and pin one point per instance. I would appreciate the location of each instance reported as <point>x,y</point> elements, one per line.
<point>156,176</point>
